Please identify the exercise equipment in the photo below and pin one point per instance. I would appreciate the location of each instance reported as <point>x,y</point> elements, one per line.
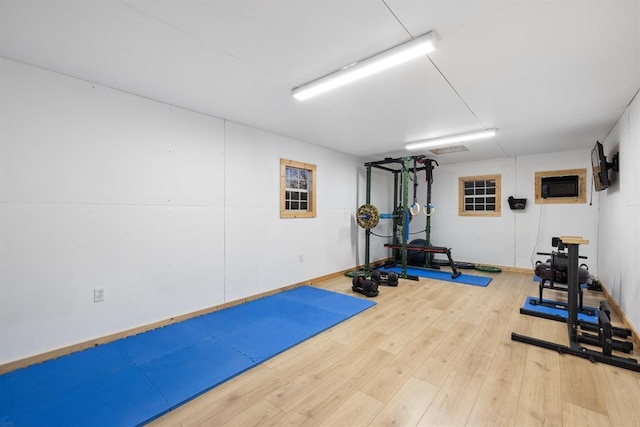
<point>364,286</point>
<point>487,268</point>
<point>554,275</point>
<point>368,216</point>
<point>604,339</point>
<point>134,380</point>
<point>389,278</point>
<point>404,169</point>
<point>417,258</point>
<point>429,250</point>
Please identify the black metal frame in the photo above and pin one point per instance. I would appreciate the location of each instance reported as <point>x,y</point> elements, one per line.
<point>605,329</point>
<point>553,265</point>
<point>401,179</point>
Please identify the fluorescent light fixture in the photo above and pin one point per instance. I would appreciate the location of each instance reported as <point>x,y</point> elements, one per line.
<point>488,133</point>
<point>412,49</point>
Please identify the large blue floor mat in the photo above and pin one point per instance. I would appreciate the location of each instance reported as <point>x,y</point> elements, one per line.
<point>136,379</point>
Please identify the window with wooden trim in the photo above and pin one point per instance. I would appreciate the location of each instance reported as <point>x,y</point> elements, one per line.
<point>479,195</point>
<point>561,186</point>
<point>297,189</point>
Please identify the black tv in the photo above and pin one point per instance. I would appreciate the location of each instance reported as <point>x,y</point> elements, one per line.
<point>600,168</point>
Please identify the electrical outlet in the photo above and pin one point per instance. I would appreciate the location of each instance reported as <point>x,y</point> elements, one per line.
<point>98,294</point>
<point>301,258</point>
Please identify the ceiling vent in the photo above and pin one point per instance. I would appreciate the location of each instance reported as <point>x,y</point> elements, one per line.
<point>449,150</point>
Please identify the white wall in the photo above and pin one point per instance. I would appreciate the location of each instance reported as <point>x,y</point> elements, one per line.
<point>168,210</point>
<point>619,216</point>
<point>513,238</point>
<point>256,237</point>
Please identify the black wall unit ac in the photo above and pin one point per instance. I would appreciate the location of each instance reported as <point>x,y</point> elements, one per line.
<point>560,186</point>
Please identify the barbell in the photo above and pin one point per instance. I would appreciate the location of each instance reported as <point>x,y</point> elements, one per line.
<point>368,216</point>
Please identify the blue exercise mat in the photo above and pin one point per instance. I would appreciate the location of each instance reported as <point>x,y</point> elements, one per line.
<point>136,379</point>
<point>557,310</point>
<point>466,279</point>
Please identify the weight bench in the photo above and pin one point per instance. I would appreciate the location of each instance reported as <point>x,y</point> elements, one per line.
<point>432,250</point>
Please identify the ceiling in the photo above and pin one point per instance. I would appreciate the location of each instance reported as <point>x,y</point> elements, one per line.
<point>549,75</point>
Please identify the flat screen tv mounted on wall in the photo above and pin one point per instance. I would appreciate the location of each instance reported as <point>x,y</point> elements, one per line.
<point>601,167</point>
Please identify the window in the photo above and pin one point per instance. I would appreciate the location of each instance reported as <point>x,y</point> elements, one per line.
<point>561,186</point>
<point>479,195</point>
<point>297,189</point>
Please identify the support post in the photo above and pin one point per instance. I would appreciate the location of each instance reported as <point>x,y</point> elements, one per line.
<point>427,229</point>
<point>396,204</point>
<point>572,290</point>
<point>367,233</point>
<point>405,213</point>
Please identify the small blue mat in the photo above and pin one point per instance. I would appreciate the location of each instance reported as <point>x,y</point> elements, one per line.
<point>558,312</point>
<point>136,379</point>
<point>466,279</point>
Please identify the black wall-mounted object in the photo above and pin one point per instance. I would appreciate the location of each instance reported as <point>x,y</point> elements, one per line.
<point>560,186</point>
<point>517,204</point>
<point>600,167</point>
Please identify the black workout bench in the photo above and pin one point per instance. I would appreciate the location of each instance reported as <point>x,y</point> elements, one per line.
<point>432,250</point>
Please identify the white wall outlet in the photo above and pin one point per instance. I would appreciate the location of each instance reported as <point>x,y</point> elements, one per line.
<point>98,294</point>
<point>301,258</point>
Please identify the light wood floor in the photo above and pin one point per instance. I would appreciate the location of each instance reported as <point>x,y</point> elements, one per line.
<point>430,353</point>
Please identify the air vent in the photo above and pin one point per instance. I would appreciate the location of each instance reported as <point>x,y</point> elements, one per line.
<point>448,150</point>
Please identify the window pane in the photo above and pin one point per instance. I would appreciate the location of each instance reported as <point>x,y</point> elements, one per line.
<point>296,196</point>
<point>480,195</point>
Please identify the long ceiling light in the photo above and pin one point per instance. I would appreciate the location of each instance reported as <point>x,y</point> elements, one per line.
<point>412,49</point>
<point>487,133</point>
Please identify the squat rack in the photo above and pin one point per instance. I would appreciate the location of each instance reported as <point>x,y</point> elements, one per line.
<point>402,213</point>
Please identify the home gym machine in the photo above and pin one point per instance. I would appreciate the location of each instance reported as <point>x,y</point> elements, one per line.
<point>605,331</point>
<point>368,215</point>
<point>553,276</point>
